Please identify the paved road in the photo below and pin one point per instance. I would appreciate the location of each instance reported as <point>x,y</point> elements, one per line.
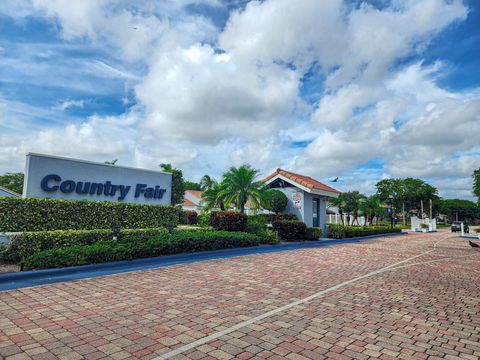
<point>414,296</point>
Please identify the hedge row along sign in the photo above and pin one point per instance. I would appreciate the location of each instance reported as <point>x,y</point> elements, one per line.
<point>61,178</point>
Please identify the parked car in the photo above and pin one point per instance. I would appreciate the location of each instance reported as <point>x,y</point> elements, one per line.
<point>456,226</point>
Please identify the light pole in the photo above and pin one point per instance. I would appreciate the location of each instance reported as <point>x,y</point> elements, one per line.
<point>390,200</point>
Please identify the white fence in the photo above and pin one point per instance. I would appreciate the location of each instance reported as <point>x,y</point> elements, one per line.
<point>337,219</point>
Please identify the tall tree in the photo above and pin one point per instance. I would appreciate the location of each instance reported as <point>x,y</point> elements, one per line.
<point>476,184</point>
<point>12,181</point>
<point>239,185</point>
<point>207,182</point>
<point>178,190</point>
<point>406,193</point>
<point>190,185</point>
<point>463,210</point>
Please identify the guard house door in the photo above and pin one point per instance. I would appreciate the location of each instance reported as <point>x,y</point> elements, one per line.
<point>315,212</point>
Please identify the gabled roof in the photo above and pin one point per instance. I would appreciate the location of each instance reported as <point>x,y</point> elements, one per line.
<point>310,184</point>
<point>195,193</point>
<point>9,191</point>
<point>187,202</point>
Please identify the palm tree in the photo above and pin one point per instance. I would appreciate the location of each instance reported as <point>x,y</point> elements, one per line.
<point>339,203</point>
<point>207,182</point>
<point>212,198</point>
<point>239,185</point>
<point>371,207</point>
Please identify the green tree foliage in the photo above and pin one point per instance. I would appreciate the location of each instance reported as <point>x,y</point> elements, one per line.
<point>372,208</point>
<point>274,200</point>
<point>113,162</point>
<point>465,209</point>
<point>207,182</point>
<point>12,181</point>
<point>476,184</point>
<point>408,192</point>
<point>352,204</point>
<point>239,185</point>
<point>339,203</point>
<point>190,185</point>
<point>178,190</point>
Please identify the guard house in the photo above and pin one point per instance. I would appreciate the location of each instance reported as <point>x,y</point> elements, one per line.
<point>307,197</point>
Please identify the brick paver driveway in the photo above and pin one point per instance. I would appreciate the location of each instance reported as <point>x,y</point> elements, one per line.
<point>339,302</point>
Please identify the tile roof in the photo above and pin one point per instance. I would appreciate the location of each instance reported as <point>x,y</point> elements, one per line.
<point>195,193</point>
<point>187,202</point>
<point>303,180</point>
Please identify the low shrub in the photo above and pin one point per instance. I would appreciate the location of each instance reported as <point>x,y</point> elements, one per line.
<point>188,217</point>
<point>31,214</point>
<point>290,230</point>
<point>256,224</point>
<point>341,231</point>
<point>203,219</point>
<point>29,243</point>
<point>267,237</point>
<point>133,248</point>
<point>228,221</point>
<point>270,218</point>
<point>194,229</point>
<point>313,233</point>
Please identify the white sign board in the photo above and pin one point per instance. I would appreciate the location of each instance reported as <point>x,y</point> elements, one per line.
<point>62,178</point>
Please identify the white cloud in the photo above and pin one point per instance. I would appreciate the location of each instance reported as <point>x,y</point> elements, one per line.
<point>207,98</point>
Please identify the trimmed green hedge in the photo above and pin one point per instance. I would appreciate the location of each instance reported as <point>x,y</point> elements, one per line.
<point>341,231</point>
<point>29,243</point>
<point>133,248</point>
<point>31,214</point>
<point>313,233</point>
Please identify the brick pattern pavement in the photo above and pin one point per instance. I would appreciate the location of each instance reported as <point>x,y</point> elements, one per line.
<point>426,311</point>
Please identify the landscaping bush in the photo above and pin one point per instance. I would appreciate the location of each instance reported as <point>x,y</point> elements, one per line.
<point>290,230</point>
<point>29,243</point>
<point>313,233</point>
<point>267,237</point>
<point>203,219</point>
<point>132,248</point>
<point>270,218</point>
<point>341,231</point>
<point>256,224</point>
<point>189,217</point>
<point>31,214</point>
<point>228,221</point>
<point>274,200</point>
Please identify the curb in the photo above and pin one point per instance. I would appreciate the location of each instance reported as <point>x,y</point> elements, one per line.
<point>24,279</point>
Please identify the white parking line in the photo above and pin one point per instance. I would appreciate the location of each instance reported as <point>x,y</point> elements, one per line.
<point>245,323</point>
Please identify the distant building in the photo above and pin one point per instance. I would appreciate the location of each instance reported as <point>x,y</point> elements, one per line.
<point>192,200</point>
<point>7,192</point>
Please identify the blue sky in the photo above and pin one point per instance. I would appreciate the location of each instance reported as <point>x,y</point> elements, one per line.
<point>365,91</point>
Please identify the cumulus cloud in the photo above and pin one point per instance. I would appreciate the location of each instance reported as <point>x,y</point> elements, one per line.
<point>208,97</point>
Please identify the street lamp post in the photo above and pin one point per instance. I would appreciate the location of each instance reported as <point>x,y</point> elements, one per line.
<point>390,200</point>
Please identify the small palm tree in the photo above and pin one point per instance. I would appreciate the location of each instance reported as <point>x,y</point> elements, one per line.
<point>207,182</point>
<point>339,203</point>
<point>212,198</point>
<point>239,185</point>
